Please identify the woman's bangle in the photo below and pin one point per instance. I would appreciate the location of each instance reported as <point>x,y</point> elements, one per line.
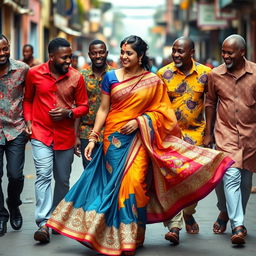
<point>97,133</point>
<point>94,136</point>
<point>93,140</point>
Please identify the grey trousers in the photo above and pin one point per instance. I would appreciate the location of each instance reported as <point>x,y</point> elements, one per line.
<point>233,194</point>
<point>50,162</point>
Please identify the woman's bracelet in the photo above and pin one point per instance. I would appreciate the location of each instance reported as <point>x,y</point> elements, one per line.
<point>94,136</point>
<point>97,133</point>
<point>93,140</point>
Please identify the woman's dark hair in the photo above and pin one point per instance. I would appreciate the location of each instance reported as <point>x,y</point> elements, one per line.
<point>139,46</point>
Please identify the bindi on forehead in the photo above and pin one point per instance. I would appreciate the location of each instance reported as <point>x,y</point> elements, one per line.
<point>125,46</point>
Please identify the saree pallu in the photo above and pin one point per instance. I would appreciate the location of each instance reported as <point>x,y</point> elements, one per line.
<point>109,206</point>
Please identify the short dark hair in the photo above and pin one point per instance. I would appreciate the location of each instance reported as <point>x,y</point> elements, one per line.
<point>97,41</point>
<point>56,43</point>
<point>4,37</point>
<point>30,46</point>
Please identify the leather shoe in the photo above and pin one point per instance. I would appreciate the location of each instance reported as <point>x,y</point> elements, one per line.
<point>3,227</point>
<point>15,217</point>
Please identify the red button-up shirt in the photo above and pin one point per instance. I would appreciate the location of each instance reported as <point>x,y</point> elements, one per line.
<point>44,92</point>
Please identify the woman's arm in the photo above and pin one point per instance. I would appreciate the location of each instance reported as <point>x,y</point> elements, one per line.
<point>102,113</point>
<point>101,116</point>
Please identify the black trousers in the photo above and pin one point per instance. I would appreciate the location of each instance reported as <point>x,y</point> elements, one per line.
<point>84,143</point>
<point>14,151</point>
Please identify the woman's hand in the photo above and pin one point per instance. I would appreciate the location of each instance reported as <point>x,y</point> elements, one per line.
<point>88,150</point>
<point>129,127</point>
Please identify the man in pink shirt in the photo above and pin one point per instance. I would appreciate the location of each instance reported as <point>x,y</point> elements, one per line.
<point>230,122</point>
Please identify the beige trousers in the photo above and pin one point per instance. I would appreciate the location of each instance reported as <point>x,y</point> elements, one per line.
<point>177,221</point>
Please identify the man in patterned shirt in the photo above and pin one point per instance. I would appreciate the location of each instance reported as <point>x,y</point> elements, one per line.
<point>186,81</point>
<point>12,136</point>
<point>93,76</point>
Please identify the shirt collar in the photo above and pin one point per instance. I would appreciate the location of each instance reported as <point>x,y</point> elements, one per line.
<point>90,71</point>
<point>13,65</point>
<point>247,68</point>
<point>173,68</point>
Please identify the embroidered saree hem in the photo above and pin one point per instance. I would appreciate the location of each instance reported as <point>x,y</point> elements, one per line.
<point>139,178</point>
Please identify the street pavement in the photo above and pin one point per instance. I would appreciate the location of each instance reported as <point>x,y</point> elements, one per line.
<point>21,243</point>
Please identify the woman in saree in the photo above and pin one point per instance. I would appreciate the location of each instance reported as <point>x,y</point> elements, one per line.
<point>109,206</point>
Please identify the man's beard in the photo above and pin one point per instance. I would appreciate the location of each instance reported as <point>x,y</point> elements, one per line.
<point>230,65</point>
<point>60,69</point>
<point>178,65</point>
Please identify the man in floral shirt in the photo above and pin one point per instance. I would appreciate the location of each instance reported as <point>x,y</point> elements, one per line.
<point>12,136</point>
<point>93,76</point>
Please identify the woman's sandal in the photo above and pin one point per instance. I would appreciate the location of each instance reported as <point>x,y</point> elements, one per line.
<point>173,236</point>
<point>220,225</point>
<point>238,236</point>
<point>191,224</point>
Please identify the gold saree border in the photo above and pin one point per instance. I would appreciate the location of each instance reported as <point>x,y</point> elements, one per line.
<point>76,223</point>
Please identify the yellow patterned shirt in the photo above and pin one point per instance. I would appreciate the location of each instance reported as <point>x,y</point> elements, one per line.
<point>186,93</point>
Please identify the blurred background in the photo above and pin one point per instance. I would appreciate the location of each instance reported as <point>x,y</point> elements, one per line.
<point>159,22</point>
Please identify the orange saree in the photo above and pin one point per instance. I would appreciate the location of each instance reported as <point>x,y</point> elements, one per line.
<point>109,206</point>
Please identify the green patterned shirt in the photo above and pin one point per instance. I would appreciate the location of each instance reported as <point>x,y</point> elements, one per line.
<point>94,96</point>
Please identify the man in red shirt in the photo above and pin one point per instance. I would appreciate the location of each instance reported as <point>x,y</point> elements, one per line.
<point>55,96</point>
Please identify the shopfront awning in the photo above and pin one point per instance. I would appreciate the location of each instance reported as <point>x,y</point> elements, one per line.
<point>70,31</point>
<point>17,8</point>
<point>61,23</point>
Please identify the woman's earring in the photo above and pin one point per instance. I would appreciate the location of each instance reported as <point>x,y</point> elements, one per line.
<point>140,62</point>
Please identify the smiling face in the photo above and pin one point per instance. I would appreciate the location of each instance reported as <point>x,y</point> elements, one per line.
<point>4,52</point>
<point>232,54</point>
<point>98,55</point>
<point>129,57</point>
<point>182,53</point>
<point>61,59</point>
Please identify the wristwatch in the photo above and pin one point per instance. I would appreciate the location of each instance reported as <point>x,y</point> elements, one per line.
<point>70,114</point>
